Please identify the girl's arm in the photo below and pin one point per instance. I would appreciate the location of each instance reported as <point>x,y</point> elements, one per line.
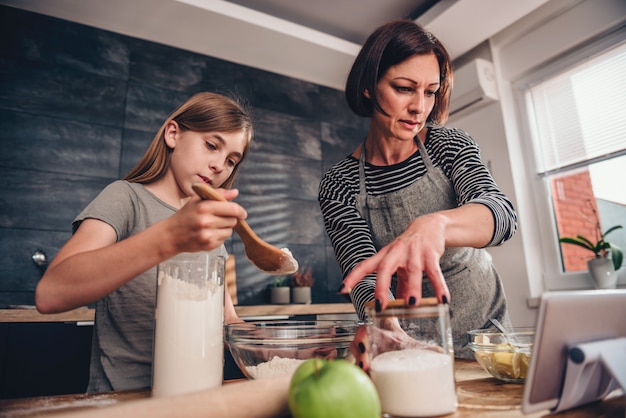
<point>92,264</point>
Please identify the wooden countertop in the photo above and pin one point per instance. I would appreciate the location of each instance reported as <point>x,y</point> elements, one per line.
<point>478,393</point>
<point>30,314</point>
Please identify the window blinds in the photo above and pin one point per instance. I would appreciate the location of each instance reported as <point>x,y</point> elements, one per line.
<point>580,115</point>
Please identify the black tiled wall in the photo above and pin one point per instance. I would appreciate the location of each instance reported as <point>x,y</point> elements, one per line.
<point>79,106</point>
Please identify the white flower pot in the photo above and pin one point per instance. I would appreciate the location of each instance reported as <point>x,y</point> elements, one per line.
<point>603,273</point>
<point>280,295</point>
<point>301,294</point>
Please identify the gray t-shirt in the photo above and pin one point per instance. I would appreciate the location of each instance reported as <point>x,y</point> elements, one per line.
<point>121,353</point>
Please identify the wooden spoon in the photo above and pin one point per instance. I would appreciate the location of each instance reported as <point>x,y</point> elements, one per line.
<point>264,256</point>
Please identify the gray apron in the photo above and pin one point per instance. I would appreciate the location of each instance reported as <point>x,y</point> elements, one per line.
<point>475,288</point>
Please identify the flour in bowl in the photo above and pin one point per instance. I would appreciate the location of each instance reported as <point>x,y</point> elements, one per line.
<point>275,367</point>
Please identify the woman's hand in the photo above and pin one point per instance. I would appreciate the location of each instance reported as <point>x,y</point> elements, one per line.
<point>370,341</point>
<point>360,347</point>
<point>416,251</point>
<point>419,248</point>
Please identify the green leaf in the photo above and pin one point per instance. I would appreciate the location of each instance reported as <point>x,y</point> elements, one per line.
<point>576,241</point>
<point>600,248</point>
<point>617,256</point>
<point>589,243</point>
<point>608,231</point>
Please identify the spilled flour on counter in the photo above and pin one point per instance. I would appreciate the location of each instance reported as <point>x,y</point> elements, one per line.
<point>275,367</point>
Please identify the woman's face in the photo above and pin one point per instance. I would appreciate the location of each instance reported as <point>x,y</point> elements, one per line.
<point>209,157</point>
<point>406,92</point>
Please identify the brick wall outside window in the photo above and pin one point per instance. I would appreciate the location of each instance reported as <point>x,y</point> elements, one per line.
<point>574,216</point>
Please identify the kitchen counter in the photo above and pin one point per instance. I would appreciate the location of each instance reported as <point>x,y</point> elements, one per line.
<point>30,314</point>
<point>49,354</point>
<point>479,396</point>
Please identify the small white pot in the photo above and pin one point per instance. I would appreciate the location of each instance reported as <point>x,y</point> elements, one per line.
<point>603,273</point>
<point>280,295</point>
<point>301,294</point>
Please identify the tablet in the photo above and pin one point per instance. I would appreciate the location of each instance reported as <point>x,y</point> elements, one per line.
<point>566,319</point>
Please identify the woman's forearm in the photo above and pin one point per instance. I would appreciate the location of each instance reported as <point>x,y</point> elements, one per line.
<point>470,225</point>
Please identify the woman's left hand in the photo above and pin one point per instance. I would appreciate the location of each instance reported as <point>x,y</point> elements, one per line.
<point>388,337</point>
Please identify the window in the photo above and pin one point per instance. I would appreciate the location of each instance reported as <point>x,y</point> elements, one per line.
<point>578,123</point>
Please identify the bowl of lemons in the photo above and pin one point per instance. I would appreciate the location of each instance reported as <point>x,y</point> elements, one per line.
<point>506,356</point>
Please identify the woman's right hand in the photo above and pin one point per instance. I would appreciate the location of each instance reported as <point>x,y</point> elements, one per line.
<point>414,253</point>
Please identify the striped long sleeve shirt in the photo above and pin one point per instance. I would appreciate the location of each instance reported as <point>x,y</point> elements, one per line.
<point>453,151</point>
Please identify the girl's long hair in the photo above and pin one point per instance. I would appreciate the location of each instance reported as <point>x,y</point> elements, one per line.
<point>203,112</point>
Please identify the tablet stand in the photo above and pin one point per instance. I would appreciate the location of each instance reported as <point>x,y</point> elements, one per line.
<point>593,370</point>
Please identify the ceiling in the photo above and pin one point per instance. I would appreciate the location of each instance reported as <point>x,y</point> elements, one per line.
<point>352,20</point>
<point>313,40</point>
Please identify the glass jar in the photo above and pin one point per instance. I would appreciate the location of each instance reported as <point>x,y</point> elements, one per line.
<point>412,358</point>
<point>189,323</point>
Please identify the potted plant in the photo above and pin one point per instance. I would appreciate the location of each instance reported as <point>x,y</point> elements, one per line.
<point>602,248</point>
<point>280,291</point>
<point>301,283</point>
<point>608,256</point>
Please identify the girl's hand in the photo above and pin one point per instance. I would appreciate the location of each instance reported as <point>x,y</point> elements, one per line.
<point>203,225</point>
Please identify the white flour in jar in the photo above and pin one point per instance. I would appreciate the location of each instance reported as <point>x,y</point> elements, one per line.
<point>275,367</point>
<point>415,382</point>
<point>188,346</point>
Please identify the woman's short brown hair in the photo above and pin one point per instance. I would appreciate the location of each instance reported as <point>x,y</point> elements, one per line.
<point>203,112</point>
<point>389,45</point>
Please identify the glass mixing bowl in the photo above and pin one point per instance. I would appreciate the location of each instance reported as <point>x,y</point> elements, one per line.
<point>505,357</point>
<point>271,348</point>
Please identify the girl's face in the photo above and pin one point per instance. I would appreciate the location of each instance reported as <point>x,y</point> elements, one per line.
<point>208,157</point>
<point>406,92</point>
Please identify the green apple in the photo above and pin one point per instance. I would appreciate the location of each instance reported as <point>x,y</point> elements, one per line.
<point>322,388</point>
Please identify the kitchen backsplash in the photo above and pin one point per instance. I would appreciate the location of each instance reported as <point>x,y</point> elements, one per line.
<point>79,106</point>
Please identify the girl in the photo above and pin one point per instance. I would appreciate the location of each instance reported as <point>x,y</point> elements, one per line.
<point>136,223</point>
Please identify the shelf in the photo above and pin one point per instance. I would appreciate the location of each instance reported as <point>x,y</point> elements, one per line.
<point>87,314</point>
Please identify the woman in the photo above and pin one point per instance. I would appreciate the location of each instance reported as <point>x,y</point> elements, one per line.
<point>136,223</point>
<point>414,200</point>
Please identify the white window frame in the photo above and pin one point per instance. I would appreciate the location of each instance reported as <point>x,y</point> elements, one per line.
<point>553,276</point>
